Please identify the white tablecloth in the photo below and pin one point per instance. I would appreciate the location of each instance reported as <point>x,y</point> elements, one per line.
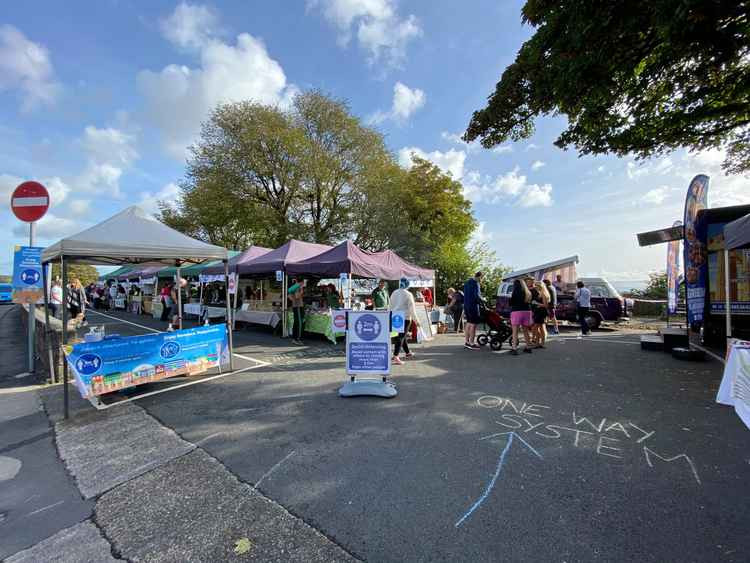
<point>198,310</point>
<point>270,318</point>
<point>193,309</point>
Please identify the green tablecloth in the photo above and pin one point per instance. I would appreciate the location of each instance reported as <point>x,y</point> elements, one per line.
<point>320,323</point>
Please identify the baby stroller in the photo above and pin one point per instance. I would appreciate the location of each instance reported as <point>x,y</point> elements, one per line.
<point>498,330</point>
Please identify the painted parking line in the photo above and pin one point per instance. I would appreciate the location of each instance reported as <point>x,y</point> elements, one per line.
<point>124,321</point>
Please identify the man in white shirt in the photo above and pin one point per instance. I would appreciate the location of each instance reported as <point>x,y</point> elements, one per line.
<point>112,295</point>
<point>583,300</point>
<point>403,301</point>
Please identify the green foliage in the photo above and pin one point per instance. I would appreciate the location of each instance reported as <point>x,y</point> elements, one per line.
<point>656,288</point>
<point>87,274</point>
<point>632,76</point>
<point>6,279</point>
<point>262,175</point>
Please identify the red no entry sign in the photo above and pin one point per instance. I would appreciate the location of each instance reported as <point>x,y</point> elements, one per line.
<point>30,201</point>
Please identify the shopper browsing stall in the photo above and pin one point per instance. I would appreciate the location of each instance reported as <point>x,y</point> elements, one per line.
<point>297,298</point>
<point>403,301</point>
<point>472,299</point>
<point>380,297</point>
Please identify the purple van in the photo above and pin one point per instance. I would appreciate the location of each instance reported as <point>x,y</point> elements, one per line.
<point>606,303</point>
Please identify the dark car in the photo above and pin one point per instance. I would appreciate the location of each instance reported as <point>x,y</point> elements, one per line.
<point>606,303</point>
<point>6,293</point>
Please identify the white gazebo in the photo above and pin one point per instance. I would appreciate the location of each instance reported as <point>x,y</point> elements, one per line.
<point>130,237</point>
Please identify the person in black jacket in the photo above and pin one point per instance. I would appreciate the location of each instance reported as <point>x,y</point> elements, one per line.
<point>455,307</point>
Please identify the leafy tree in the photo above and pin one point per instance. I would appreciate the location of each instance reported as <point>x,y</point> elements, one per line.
<point>632,76</point>
<point>87,274</point>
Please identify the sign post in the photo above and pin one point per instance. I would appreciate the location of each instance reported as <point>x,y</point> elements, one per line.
<point>29,203</point>
<point>368,352</point>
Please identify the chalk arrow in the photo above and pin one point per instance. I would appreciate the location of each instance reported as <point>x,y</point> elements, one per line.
<point>500,462</point>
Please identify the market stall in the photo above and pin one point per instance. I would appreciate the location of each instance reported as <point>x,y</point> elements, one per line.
<point>272,265</point>
<point>101,366</point>
<point>347,259</point>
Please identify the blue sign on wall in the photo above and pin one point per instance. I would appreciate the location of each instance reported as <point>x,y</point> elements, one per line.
<point>110,365</point>
<point>27,274</point>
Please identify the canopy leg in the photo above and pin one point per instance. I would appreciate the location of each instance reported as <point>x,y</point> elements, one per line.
<point>229,317</point>
<point>45,280</point>
<point>727,296</point>
<point>64,272</point>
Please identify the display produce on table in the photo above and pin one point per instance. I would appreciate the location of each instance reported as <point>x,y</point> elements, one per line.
<point>116,363</point>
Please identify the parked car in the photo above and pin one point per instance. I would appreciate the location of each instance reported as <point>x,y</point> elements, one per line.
<point>6,293</point>
<point>606,303</point>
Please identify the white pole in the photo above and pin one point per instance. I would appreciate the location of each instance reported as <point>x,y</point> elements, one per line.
<point>179,297</point>
<point>284,327</point>
<point>229,318</point>
<point>727,298</point>
<point>32,312</point>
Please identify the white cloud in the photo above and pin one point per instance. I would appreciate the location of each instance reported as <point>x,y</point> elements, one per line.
<point>379,29</point>
<point>49,227</point>
<point>724,190</point>
<point>600,169</point>
<point>481,234</point>
<point>656,196</point>
<point>80,207</point>
<point>531,147</point>
<point>58,190</point>
<point>110,152</point>
<point>26,66</point>
<point>451,161</point>
<point>149,201</point>
<point>178,97</point>
<point>661,166</point>
<point>190,26</point>
<point>503,149</point>
<point>456,139</point>
<point>406,101</point>
<point>537,164</point>
<point>511,187</point>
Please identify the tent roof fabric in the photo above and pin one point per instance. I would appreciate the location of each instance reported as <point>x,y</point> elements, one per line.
<point>132,237</point>
<point>292,251</point>
<point>243,257</point>
<point>737,233</point>
<point>548,266</point>
<point>401,268</point>
<point>115,274</point>
<point>345,258</point>
<point>196,269</point>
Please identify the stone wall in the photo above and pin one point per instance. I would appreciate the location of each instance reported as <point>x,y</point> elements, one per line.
<point>47,345</point>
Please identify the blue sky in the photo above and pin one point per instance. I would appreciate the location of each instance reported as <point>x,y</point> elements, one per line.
<point>98,100</point>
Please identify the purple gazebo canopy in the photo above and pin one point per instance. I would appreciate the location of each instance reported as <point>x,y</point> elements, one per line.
<point>348,258</point>
<point>235,262</point>
<point>292,251</point>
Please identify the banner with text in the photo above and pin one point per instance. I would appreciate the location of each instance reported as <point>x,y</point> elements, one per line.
<point>695,252</point>
<point>673,273</point>
<point>117,363</point>
<point>27,274</point>
<point>368,343</point>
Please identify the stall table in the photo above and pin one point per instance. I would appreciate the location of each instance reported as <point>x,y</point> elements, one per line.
<point>320,323</point>
<point>268,318</point>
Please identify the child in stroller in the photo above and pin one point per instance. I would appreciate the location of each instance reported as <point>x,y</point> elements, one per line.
<point>498,330</point>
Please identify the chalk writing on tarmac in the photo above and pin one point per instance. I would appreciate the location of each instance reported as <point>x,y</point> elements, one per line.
<point>613,439</point>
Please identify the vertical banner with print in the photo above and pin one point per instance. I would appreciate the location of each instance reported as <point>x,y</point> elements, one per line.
<point>27,274</point>
<point>673,273</point>
<point>695,253</point>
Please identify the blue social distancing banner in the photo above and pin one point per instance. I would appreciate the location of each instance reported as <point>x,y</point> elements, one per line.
<point>368,340</point>
<point>27,274</point>
<point>117,363</point>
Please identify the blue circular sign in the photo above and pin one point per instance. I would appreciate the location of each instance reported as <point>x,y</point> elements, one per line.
<point>169,350</point>
<point>88,364</point>
<point>367,327</point>
<point>30,277</point>
<point>397,320</point>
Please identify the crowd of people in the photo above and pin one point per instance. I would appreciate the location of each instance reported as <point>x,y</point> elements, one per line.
<point>532,306</point>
